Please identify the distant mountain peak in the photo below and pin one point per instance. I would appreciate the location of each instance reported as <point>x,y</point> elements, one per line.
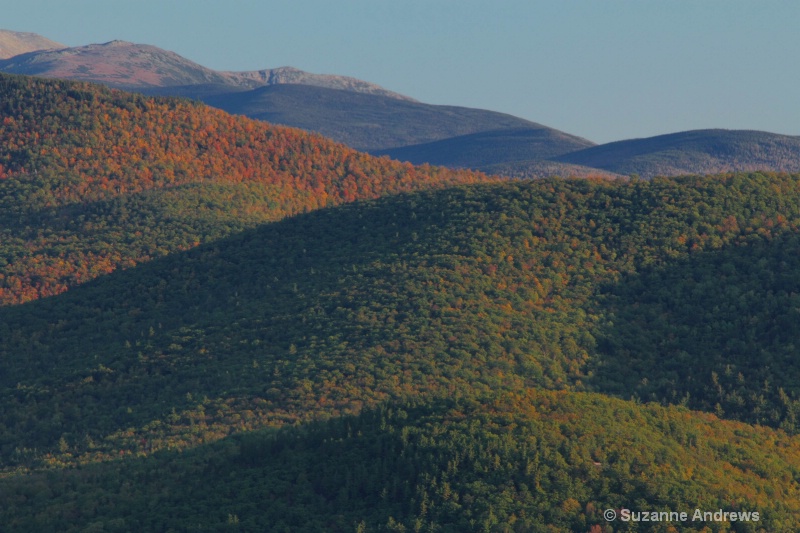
<point>135,66</point>
<point>13,43</point>
<point>115,63</point>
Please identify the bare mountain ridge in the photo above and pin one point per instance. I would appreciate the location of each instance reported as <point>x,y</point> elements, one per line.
<point>294,76</point>
<point>13,43</point>
<point>117,63</point>
<point>135,67</point>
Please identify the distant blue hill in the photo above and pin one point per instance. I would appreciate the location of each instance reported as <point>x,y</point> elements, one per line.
<point>693,152</point>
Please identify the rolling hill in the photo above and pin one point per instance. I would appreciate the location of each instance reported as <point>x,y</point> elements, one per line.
<point>541,461</point>
<point>85,173</point>
<point>491,147</point>
<point>543,168</point>
<point>693,152</point>
<point>372,122</point>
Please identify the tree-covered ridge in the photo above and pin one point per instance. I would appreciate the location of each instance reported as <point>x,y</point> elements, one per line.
<point>693,152</point>
<point>470,290</point>
<point>79,165</point>
<point>535,461</point>
<point>489,147</point>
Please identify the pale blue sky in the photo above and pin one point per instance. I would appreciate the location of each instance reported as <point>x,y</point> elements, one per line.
<point>602,69</point>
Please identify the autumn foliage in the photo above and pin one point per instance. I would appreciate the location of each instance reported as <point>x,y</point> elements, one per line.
<point>70,150</point>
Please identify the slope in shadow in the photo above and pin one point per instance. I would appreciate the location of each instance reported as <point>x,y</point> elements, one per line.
<point>490,147</point>
<point>322,313</point>
<point>715,331</point>
<point>362,121</point>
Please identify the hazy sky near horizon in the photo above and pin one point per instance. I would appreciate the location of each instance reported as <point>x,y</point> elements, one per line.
<point>601,69</point>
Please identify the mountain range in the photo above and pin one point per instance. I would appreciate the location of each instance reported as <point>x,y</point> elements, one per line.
<point>370,118</point>
<point>131,66</point>
<point>213,323</point>
<point>362,115</point>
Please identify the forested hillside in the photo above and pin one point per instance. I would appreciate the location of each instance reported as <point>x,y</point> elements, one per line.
<point>488,356</point>
<point>501,146</point>
<point>534,462</point>
<point>92,180</point>
<point>468,292</point>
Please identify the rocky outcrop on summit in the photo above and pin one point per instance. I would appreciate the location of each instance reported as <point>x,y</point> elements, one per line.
<point>291,75</point>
